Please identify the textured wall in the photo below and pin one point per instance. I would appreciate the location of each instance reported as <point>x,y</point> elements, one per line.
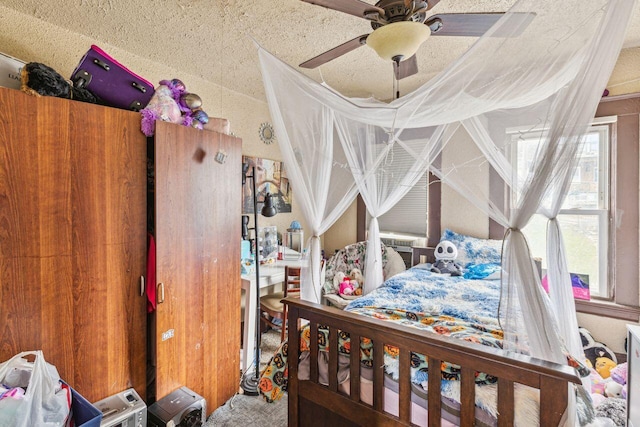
<point>457,213</point>
<point>343,232</point>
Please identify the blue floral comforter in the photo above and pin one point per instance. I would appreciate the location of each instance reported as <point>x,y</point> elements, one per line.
<point>419,290</point>
<point>451,306</point>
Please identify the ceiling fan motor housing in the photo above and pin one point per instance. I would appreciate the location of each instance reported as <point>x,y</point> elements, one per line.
<point>397,11</point>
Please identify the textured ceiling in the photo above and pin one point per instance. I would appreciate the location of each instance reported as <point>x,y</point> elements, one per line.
<point>213,39</point>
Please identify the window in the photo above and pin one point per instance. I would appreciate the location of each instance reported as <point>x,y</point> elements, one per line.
<point>409,215</point>
<point>407,219</point>
<point>585,213</point>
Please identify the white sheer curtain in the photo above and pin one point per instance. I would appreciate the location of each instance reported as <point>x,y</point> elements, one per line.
<point>541,76</point>
<point>385,167</point>
<point>322,181</point>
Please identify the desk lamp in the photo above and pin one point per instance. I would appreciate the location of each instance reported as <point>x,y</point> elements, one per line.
<point>250,381</point>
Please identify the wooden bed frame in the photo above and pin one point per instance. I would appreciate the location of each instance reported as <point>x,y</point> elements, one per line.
<point>314,404</point>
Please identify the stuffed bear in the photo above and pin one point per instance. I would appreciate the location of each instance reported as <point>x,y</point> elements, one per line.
<point>446,254</point>
<point>356,274</point>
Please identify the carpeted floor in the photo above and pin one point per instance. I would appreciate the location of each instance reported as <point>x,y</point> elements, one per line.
<point>245,411</point>
<point>250,411</point>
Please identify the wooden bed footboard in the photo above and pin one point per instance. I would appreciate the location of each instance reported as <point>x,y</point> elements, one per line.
<point>314,404</point>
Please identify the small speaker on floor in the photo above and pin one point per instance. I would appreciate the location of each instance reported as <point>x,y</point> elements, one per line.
<point>183,407</point>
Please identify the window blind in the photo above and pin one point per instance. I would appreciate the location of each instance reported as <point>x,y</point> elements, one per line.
<point>409,215</point>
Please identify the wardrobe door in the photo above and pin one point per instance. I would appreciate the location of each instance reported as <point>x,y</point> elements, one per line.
<point>109,165</point>
<point>197,208</point>
<point>73,240</point>
<point>36,295</point>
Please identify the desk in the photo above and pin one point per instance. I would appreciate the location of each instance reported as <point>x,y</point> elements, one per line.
<point>270,274</point>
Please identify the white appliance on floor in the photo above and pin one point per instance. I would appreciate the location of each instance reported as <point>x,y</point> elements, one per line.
<point>125,409</point>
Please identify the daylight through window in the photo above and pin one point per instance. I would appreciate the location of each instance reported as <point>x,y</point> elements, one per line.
<point>585,213</point>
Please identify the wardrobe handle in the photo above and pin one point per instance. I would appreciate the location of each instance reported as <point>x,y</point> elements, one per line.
<point>142,287</point>
<point>160,293</point>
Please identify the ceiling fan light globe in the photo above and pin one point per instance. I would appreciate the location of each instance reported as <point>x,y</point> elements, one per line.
<point>398,39</point>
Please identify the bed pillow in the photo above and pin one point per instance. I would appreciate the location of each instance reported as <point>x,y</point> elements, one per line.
<point>473,250</point>
<point>394,265</point>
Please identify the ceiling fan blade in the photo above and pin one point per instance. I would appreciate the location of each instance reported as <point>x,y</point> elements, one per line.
<point>335,52</point>
<point>475,24</point>
<point>406,68</point>
<point>352,7</point>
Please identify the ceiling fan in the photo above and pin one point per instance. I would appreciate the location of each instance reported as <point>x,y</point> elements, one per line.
<point>403,16</point>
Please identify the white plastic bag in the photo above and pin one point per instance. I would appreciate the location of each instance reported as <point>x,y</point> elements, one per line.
<point>46,402</point>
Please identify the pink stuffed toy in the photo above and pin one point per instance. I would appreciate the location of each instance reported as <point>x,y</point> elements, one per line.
<point>172,103</point>
<point>346,288</point>
<point>162,107</point>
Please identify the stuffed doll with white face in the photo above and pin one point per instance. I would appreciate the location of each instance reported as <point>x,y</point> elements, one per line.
<point>446,254</point>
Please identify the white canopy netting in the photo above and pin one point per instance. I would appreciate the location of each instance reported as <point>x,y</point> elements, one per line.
<point>503,126</point>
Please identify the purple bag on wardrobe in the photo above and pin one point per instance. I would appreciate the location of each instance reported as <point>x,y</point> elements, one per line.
<point>112,82</point>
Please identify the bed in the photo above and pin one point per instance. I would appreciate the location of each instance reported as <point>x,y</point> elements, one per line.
<point>415,320</point>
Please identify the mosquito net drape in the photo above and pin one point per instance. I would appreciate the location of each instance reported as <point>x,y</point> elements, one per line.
<point>502,126</point>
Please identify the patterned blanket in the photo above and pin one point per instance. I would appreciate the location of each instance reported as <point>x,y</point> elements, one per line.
<point>418,298</point>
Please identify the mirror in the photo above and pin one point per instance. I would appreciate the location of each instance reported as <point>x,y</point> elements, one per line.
<point>266,133</point>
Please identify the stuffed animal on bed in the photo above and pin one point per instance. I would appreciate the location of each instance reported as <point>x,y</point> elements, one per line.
<point>338,278</point>
<point>446,254</point>
<point>356,274</point>
<point>346,287</point>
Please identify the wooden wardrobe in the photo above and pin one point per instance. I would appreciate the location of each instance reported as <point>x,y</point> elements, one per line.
<point>73,247</point>
<point>197,235</point>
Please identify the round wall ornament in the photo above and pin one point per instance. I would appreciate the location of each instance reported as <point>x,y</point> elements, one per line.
<point>266,133</point>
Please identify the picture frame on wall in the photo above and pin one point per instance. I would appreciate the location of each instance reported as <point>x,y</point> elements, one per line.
<point>270,178</point>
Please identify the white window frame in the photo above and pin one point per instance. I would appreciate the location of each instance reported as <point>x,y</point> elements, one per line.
<point>602,125</point>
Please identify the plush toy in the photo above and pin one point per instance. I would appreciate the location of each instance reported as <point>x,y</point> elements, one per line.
<point>446,254</point>
<point>41,80</point>
<point>619,375</point>
<point>356,274</point>
<point>594,349</point>
<point>172,103</point>
<point>338,278</point>
<point>604,365</point>
<point>346,287</point>
<point>613,389</point>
